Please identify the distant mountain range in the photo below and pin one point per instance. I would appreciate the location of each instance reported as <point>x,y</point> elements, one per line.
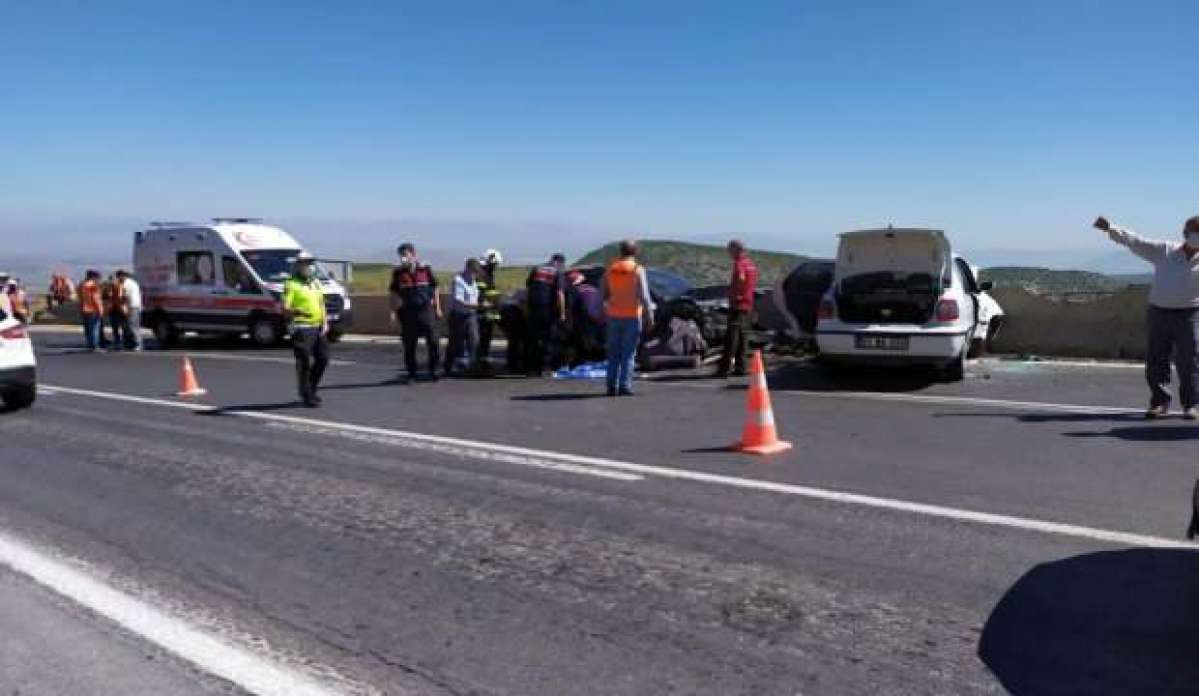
<point>707,264</point>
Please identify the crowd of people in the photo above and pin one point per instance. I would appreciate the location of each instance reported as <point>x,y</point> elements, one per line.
<point>110,311</point>
<point>560,317</point>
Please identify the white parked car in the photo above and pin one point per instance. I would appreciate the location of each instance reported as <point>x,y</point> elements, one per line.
<point>901,296</point>
<point>18,369</point>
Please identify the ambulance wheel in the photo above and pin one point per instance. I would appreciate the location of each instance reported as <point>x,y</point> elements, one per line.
<point>165,332</point>
<point>265,332</point>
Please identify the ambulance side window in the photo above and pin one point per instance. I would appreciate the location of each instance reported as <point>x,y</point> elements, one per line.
<point>236,276</point>
<point>195,268</point>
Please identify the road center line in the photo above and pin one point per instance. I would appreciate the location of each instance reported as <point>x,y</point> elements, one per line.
<point>870,501</point>
<point>486,454</point>
<point>237,665</point>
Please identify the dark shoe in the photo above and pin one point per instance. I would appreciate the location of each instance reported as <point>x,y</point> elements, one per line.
<point>1155,412</point>
<point>611,391</point>
<point>316,399</point>
<point>312,402</point>
<point>625,392</point>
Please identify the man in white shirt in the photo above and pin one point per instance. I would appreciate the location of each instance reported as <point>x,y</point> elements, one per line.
<point>462,350</point>
<point>133,310</point>
<point>1173,318</point>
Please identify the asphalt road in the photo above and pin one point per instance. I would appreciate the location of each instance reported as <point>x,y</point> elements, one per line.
<point>517,536</point>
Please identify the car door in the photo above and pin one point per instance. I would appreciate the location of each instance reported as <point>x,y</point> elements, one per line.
<point>979,315</point>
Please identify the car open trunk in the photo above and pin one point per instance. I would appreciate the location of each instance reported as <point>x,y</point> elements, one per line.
<point>891,276</point>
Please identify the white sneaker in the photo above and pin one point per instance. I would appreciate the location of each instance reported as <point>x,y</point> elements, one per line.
<point>1157,412</point>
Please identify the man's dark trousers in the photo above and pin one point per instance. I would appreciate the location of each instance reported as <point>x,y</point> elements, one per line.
<point>311,349</point>
<point>415,325</point>
<point>735,339</point>
<point>1172,331</point>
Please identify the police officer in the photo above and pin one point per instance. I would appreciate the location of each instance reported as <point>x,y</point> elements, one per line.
<point>415,304</point>
<point>546,287</point>
<point>304,308</point>
<point>489,305</point>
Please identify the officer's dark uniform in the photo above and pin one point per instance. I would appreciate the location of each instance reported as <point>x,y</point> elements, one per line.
<point>489,312</point>
<point>416,287</point>
<point>543,285</point>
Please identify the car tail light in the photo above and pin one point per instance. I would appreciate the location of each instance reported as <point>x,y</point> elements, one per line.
<point>13,333</point>
<point>947,310</point>
<point>828,309</point>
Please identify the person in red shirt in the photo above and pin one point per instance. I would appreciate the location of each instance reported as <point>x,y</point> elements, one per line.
<point>741,308</point>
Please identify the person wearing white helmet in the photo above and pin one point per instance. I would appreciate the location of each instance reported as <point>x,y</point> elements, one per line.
<point>489,306</point>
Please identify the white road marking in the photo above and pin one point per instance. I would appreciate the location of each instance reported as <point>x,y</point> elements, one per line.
<point>487,454</point>
<point>933,399</point>
<point>558,461</point>
<point>237,665</point>
<point>834,496</point>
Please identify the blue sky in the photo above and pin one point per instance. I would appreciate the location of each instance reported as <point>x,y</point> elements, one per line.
<point>1009,124</point>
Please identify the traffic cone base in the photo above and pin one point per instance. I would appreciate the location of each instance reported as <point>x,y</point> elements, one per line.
<point>759,435</point>
<point>188,384</point>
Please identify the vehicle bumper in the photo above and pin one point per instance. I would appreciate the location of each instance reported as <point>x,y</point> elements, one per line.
<point>345,319</point>
<point>13,377</point>
<point>923,349</point>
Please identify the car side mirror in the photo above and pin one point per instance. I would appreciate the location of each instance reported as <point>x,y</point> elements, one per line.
<point>986,286</point>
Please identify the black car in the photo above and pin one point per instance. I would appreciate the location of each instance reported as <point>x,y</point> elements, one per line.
<point>803,288</point>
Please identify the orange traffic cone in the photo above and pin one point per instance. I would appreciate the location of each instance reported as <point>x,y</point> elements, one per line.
<point>759,435</point>
<point>188,385</point>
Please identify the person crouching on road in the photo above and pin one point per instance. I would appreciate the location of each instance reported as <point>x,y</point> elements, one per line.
<point>1173,317</point>
<point>462,351</point>
<point>415,303</point>
<point>91,309</point>
<point>629,309</point>
<point>304,308</point>
<point>741,309</point>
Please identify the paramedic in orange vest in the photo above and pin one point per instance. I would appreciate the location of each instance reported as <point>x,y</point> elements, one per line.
<point>91,309</point>
<point>629,309</point>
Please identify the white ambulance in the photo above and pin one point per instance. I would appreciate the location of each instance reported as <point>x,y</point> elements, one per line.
<point>225,277</point>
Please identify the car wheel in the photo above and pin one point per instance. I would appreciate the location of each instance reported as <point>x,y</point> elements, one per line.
<point>978,347</point>
<point>20,397</point>
<point>165,332</point>
<point>956,370</point>
<point>265,332</point>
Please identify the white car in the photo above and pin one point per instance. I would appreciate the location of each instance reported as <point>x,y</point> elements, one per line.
<point>18,369</point>
<point>901,296</point>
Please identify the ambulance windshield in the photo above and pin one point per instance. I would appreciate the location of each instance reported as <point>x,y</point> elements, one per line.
<point>274,265</point>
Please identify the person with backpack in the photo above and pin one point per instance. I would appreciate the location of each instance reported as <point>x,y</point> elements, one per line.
<point>417,307</point>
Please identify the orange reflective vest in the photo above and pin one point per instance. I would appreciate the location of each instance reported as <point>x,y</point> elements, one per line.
<point>90,301</point>
<point>624,297</point>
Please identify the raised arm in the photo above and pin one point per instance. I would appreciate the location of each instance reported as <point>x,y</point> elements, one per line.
<point>1148,249</point>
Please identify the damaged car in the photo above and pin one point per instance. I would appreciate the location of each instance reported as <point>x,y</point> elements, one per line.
<point>901,296</point>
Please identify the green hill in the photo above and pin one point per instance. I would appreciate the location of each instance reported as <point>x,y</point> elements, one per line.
<point>702,264</point>
<point>1047,281</point>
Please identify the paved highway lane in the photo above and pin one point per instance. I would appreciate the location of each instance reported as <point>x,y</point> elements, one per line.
<point>369,557</point>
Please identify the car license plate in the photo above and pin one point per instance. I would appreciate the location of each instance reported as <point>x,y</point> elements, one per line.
<point>882,342</point>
